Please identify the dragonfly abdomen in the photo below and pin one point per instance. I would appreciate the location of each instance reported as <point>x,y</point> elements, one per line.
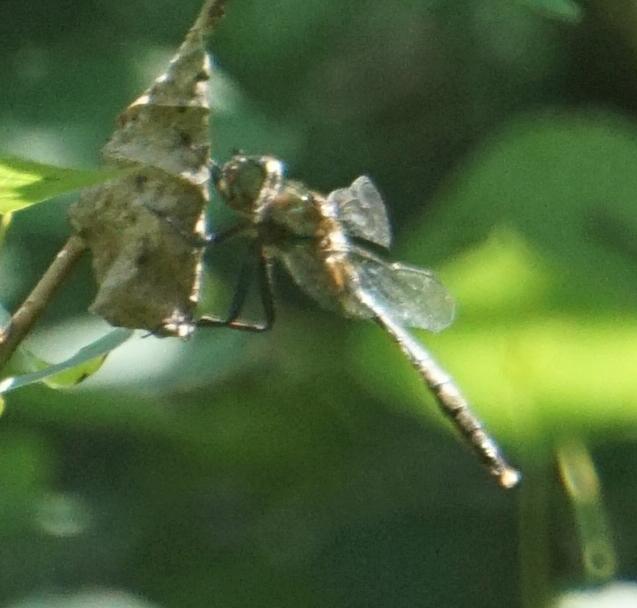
<point>455,406</point>
<point>450,400</point>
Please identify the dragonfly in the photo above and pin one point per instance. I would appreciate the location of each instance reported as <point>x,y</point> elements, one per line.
<point>327,243</point>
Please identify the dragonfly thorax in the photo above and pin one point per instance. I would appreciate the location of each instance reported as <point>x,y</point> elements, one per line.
<point>255,187</point>
<point>296,210</point>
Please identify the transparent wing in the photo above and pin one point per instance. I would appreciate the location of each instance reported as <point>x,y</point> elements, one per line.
<point>309,273</point>
<point>413,296</point>
<point>361,210</point>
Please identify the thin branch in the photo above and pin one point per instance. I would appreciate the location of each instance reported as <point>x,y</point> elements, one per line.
<point>32,308</point>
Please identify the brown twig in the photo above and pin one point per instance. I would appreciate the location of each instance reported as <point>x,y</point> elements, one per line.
<point>32,308</point>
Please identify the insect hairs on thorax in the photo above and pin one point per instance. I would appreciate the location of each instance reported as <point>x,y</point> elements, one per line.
<point>289,210</point>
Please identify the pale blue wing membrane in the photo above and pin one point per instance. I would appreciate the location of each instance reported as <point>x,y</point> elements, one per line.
<point>361,210</point>
<point>413,296</point>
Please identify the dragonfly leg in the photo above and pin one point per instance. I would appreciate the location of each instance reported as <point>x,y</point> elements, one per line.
<point>206,240</point>
<point>227,234</point>
<point>265,290</point>
<point>239,298</point>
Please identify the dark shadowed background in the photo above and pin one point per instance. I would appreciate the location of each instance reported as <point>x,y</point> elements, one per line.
<point>307,466</point>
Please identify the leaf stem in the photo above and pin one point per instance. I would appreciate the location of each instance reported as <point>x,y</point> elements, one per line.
<point>32,308</point>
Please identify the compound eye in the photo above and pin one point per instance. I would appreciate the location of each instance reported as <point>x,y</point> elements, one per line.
<point>240,182</point>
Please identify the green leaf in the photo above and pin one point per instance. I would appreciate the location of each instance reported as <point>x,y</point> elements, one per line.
<point>5,220</point>
<point>97,598</point>
<point>567,10</point>
<point>63,379</point>
<point>24,182</point>
<point>70,372</point>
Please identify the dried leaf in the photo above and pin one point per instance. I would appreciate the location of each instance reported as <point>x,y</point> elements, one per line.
<point>144,230</point>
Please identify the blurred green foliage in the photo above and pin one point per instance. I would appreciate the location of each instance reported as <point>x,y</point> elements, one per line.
<point>308,466</point>
<point>569,10</point>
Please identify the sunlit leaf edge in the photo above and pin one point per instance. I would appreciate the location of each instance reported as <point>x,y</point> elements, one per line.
<point>25,182</point>
<point>74,369</point>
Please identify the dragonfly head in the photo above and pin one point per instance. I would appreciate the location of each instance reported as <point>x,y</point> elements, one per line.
<point>243,180</point>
